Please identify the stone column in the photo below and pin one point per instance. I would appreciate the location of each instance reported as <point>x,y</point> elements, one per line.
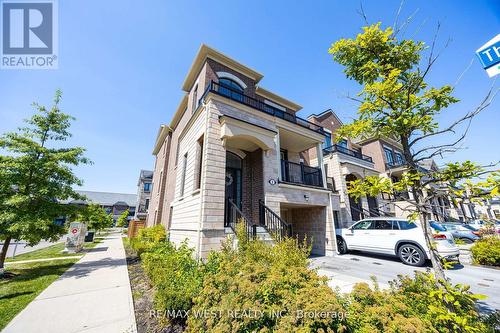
<point>278,152</point>
<point>319,154</point>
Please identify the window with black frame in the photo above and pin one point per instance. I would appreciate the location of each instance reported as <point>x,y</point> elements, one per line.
<point>231,89</point>
<point>389,156</point>
<point>399,158</point>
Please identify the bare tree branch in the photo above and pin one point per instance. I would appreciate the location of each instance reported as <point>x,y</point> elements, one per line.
<point>463,73</point>
<point>406,23</point>
<point>361,12</point>
<point>395,25</point>
<point>466,118</point>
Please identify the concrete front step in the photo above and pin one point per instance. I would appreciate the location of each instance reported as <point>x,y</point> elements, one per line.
<point>261,234</point>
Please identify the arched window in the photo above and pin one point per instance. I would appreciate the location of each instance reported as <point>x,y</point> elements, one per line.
<point>231,89</point>
<point>230,83</point>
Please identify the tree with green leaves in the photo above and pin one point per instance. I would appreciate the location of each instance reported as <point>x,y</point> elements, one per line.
<point>95,217</point>
<point>122,219</point>
<point>396,102</point>
<point>35,176</point>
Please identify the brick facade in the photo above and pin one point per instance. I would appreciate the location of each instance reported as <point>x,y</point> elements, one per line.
<point>198,213</point>
<point>253,183</point>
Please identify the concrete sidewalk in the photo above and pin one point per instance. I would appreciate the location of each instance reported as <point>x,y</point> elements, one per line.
<point>92,296</point>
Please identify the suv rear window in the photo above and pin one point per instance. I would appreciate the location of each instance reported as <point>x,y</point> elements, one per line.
<point>405,225</point>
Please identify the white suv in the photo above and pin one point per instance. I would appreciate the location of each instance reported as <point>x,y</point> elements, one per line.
<point>394,236</point>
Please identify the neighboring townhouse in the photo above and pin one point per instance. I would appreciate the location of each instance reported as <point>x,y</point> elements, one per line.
<point>234,152</point>
<point>114,203</point>
<point>495,207</point>
<point>345,161</point>
<point>144,187</point>
<point>389,161</point>
<point>351,159</point>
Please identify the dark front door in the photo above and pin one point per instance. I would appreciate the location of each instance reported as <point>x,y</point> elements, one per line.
<point>373,206</point>
<point>233,183</point>
<point>356,209</point>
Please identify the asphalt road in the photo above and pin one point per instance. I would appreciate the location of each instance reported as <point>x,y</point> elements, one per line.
<point>345,270</point>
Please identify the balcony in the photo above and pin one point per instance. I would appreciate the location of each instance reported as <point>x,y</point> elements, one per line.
<point>298,173</point>
<point>346,151</point>
<point>238,96</point>
<point>394,164</point>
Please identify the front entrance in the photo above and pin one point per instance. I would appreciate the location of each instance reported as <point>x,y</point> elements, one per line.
<point>233,184</point>
<point>373,206</point>
<point>356,208</point>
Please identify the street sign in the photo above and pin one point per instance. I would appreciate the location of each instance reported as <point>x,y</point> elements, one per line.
<point>74,231</point>
<point>489,55</point>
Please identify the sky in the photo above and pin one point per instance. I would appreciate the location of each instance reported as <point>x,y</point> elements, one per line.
<point>122,64</point>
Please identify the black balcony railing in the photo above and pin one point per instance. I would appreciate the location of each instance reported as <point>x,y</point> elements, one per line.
<point>298,173</point>
<point>346,151</point>
<point>394,164</point>
<point>240,97</point>
<point>330,183</point>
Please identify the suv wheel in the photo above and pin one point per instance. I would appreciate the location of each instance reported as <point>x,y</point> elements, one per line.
<point>411,255</point>
<point>467,240</point>
<point>341,245</point>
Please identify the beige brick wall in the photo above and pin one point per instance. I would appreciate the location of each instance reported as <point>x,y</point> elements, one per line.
<point>310,223</point>
<point>156,204</point>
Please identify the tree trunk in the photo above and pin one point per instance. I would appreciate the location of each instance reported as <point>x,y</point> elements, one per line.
<point>3,254</point>
<point>433,255</point>
<point>418,195</point>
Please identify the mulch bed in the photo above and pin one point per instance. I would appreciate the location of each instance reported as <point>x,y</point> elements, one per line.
<point>143,295</point>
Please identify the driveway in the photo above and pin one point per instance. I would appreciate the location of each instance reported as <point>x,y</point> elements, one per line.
<point>346,270</point>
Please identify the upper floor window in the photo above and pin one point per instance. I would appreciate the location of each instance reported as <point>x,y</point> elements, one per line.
<point>389,156</point>
<point>199,163</point>
<point>231,89</point>
<point>231,84</point>
<point>399,158</point>
<point>195,99</point>
<point>183,177</point>
<point>343,143</point>
<point>147,187</point>
<point>328,139</point>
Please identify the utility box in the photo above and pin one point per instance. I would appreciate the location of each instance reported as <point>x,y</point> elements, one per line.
<point>89,237</point>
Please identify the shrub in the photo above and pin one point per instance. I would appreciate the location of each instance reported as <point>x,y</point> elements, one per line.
<point>260,287</point>
<point>148,238</point>
<point>414,304</point>
<point>176,276</point>
<point>486,251</point>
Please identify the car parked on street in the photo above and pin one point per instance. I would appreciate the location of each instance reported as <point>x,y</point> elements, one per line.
<point>393,236</point>
<point>463,232</point>
<point>481,224</point>
<point>440,231</point>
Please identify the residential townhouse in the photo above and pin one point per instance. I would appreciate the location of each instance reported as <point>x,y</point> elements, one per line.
<point>144,187</point>
<point>236,152</point>
<point>233,152</point>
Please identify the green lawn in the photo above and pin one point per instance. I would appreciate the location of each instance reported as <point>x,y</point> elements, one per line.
<point>53,251</point>
<point>32,279</point>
